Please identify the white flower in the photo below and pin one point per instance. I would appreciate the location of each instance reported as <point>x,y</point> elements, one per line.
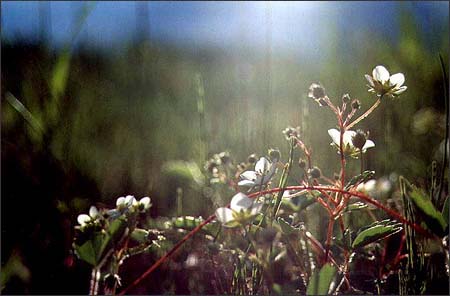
<point>144,203</point>
<point>349,148</point>
<point>367,187</point>
<point>84,219</point>
<point>241,209</point>
<point>382,83</point>
<point>264,171</point>
<point>126,202</point>
<point>375,188</point>
<point>129,203</point>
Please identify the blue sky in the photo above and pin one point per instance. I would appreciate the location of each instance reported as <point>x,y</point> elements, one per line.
<point>293,25</point>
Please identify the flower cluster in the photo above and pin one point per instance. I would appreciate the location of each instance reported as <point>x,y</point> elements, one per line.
<point>84,220</point>
<point>124,205</point>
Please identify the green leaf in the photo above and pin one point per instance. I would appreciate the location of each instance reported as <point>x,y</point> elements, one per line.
<point>139,235</point>
<point>93,249</point>
<point>365,176</point>
<point>301,202</point>
<point>320,281</point>
<point>375,232</point>
<point>355,206</point>
<point>60,74</point>
<point>432,217</point>
<point>286,228</point>
<point>117,228</point>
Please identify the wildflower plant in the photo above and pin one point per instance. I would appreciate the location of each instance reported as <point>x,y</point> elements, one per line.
<point>263,242</point>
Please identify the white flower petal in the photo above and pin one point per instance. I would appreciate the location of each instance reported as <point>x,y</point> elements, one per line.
<point>347,139</point>
<point>120,201</point>
<point>335,135</point>
<point>368,144</point>
<point>360,187</point>
<point>400,90</point>
<point>93,212</point>
<point>249,175</point>
<point>246,183</point>
<point>262,166</point>
<point>256,208</point>
<point>370,80</point>
<point>224,215</point>
<point>145,202</point>
<point>397,80</point>
<point>241,202</point>
<point>380,74</point>
<point>130,200</point>
<point>83,219</point>
<point>370,185</point>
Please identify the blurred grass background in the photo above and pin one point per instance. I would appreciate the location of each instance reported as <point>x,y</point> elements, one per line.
<point>83,125</point>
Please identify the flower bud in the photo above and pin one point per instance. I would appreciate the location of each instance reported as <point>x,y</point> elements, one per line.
<point>252,158</point>
<point>356,104</point>
<point>316,91</point>
<point>315,173</point>
<point>301,163</point>
<point>274,154</point>
<point>359,139</point>
<point>346,98</point>
<point>291,132</point>
<point>224,157</point>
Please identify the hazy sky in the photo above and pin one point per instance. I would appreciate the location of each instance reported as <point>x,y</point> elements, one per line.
<point>291,25</point>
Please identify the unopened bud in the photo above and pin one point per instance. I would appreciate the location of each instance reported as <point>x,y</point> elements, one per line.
<point>359,139</point>
<point>274,154</point>
<point>356,104</point>
<point>252,158</point>
<point>346,98</point>
<point>224,157</point>
<point>242,166</point>
<point>315,173</point>
<point>301,163</point>
<point>316,91</point>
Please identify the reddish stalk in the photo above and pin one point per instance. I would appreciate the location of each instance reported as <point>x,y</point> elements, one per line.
<point>329,197</point>
<point>375,105</point>
<point>305,150</point>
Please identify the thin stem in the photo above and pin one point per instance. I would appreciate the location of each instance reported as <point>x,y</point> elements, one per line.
<point>362,160</point>
<point>341,150</point>
<point>329,236</point>
<point>94,282</point>
<point>374,106</point>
